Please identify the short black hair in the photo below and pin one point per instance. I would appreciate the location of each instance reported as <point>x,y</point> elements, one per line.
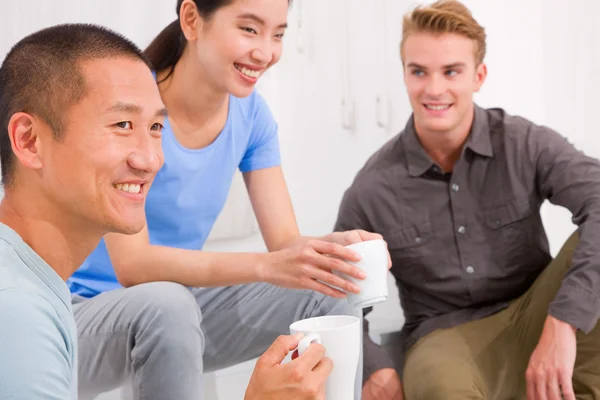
<point>42,75</point>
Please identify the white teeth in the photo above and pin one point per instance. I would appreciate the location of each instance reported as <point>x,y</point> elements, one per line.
<point>128,187</point>
<point>248,72</point>
<point>438,108</point>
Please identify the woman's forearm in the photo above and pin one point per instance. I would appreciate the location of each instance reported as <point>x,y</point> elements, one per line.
<point>193,268</point>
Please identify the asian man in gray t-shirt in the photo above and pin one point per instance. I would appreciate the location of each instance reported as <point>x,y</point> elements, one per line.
<point>80,112</point>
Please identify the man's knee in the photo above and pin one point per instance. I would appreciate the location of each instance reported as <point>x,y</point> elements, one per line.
<point>437,380</point>
<point>566,251</point>
<point>432,390</point>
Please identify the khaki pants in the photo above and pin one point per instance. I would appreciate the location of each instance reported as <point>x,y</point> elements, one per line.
<point>487,358</point>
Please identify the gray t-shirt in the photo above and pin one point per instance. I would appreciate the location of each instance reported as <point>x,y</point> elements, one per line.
<point>38,342</point>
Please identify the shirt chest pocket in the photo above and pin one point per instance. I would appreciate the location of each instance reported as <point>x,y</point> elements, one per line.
<point>410,248</point>
<point>509,232</point>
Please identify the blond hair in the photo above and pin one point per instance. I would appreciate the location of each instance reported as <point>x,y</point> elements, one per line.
<point>445,16</point>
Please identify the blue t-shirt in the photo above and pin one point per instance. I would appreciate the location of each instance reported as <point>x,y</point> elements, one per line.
<point>191,188</point>
<point>38,337</point>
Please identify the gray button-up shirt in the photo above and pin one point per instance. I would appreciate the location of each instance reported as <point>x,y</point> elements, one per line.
<point>464,244</point>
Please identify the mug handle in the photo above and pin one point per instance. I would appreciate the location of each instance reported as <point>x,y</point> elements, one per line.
<point>307,341</point>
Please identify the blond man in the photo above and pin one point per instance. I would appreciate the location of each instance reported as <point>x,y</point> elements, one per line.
<point>457,196</point>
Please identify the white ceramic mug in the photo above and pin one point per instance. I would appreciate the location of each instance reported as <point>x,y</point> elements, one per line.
<point>374,263</point>
<point>340,336</point>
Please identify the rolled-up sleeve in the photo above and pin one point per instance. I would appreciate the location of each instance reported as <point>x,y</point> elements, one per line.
<point>569,178</point>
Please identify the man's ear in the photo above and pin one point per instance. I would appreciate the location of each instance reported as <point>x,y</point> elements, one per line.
<point>480,75</point>
<point>24,133</point>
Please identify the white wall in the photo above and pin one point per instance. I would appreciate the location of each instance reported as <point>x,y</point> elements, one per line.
<point>572,86</point>
<point>133,18</point>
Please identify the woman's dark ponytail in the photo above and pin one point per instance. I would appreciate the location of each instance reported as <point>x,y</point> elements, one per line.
<point>166,49</point>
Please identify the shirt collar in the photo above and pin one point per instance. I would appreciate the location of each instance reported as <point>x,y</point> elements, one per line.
<point>419,162</point>
<point>479,140</point>
<point>417,158</point>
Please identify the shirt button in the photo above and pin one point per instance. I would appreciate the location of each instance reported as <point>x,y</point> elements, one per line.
<point>470,270</point>
<point>461,229</point>
<point>417,240</point>
<point>455,187</point>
